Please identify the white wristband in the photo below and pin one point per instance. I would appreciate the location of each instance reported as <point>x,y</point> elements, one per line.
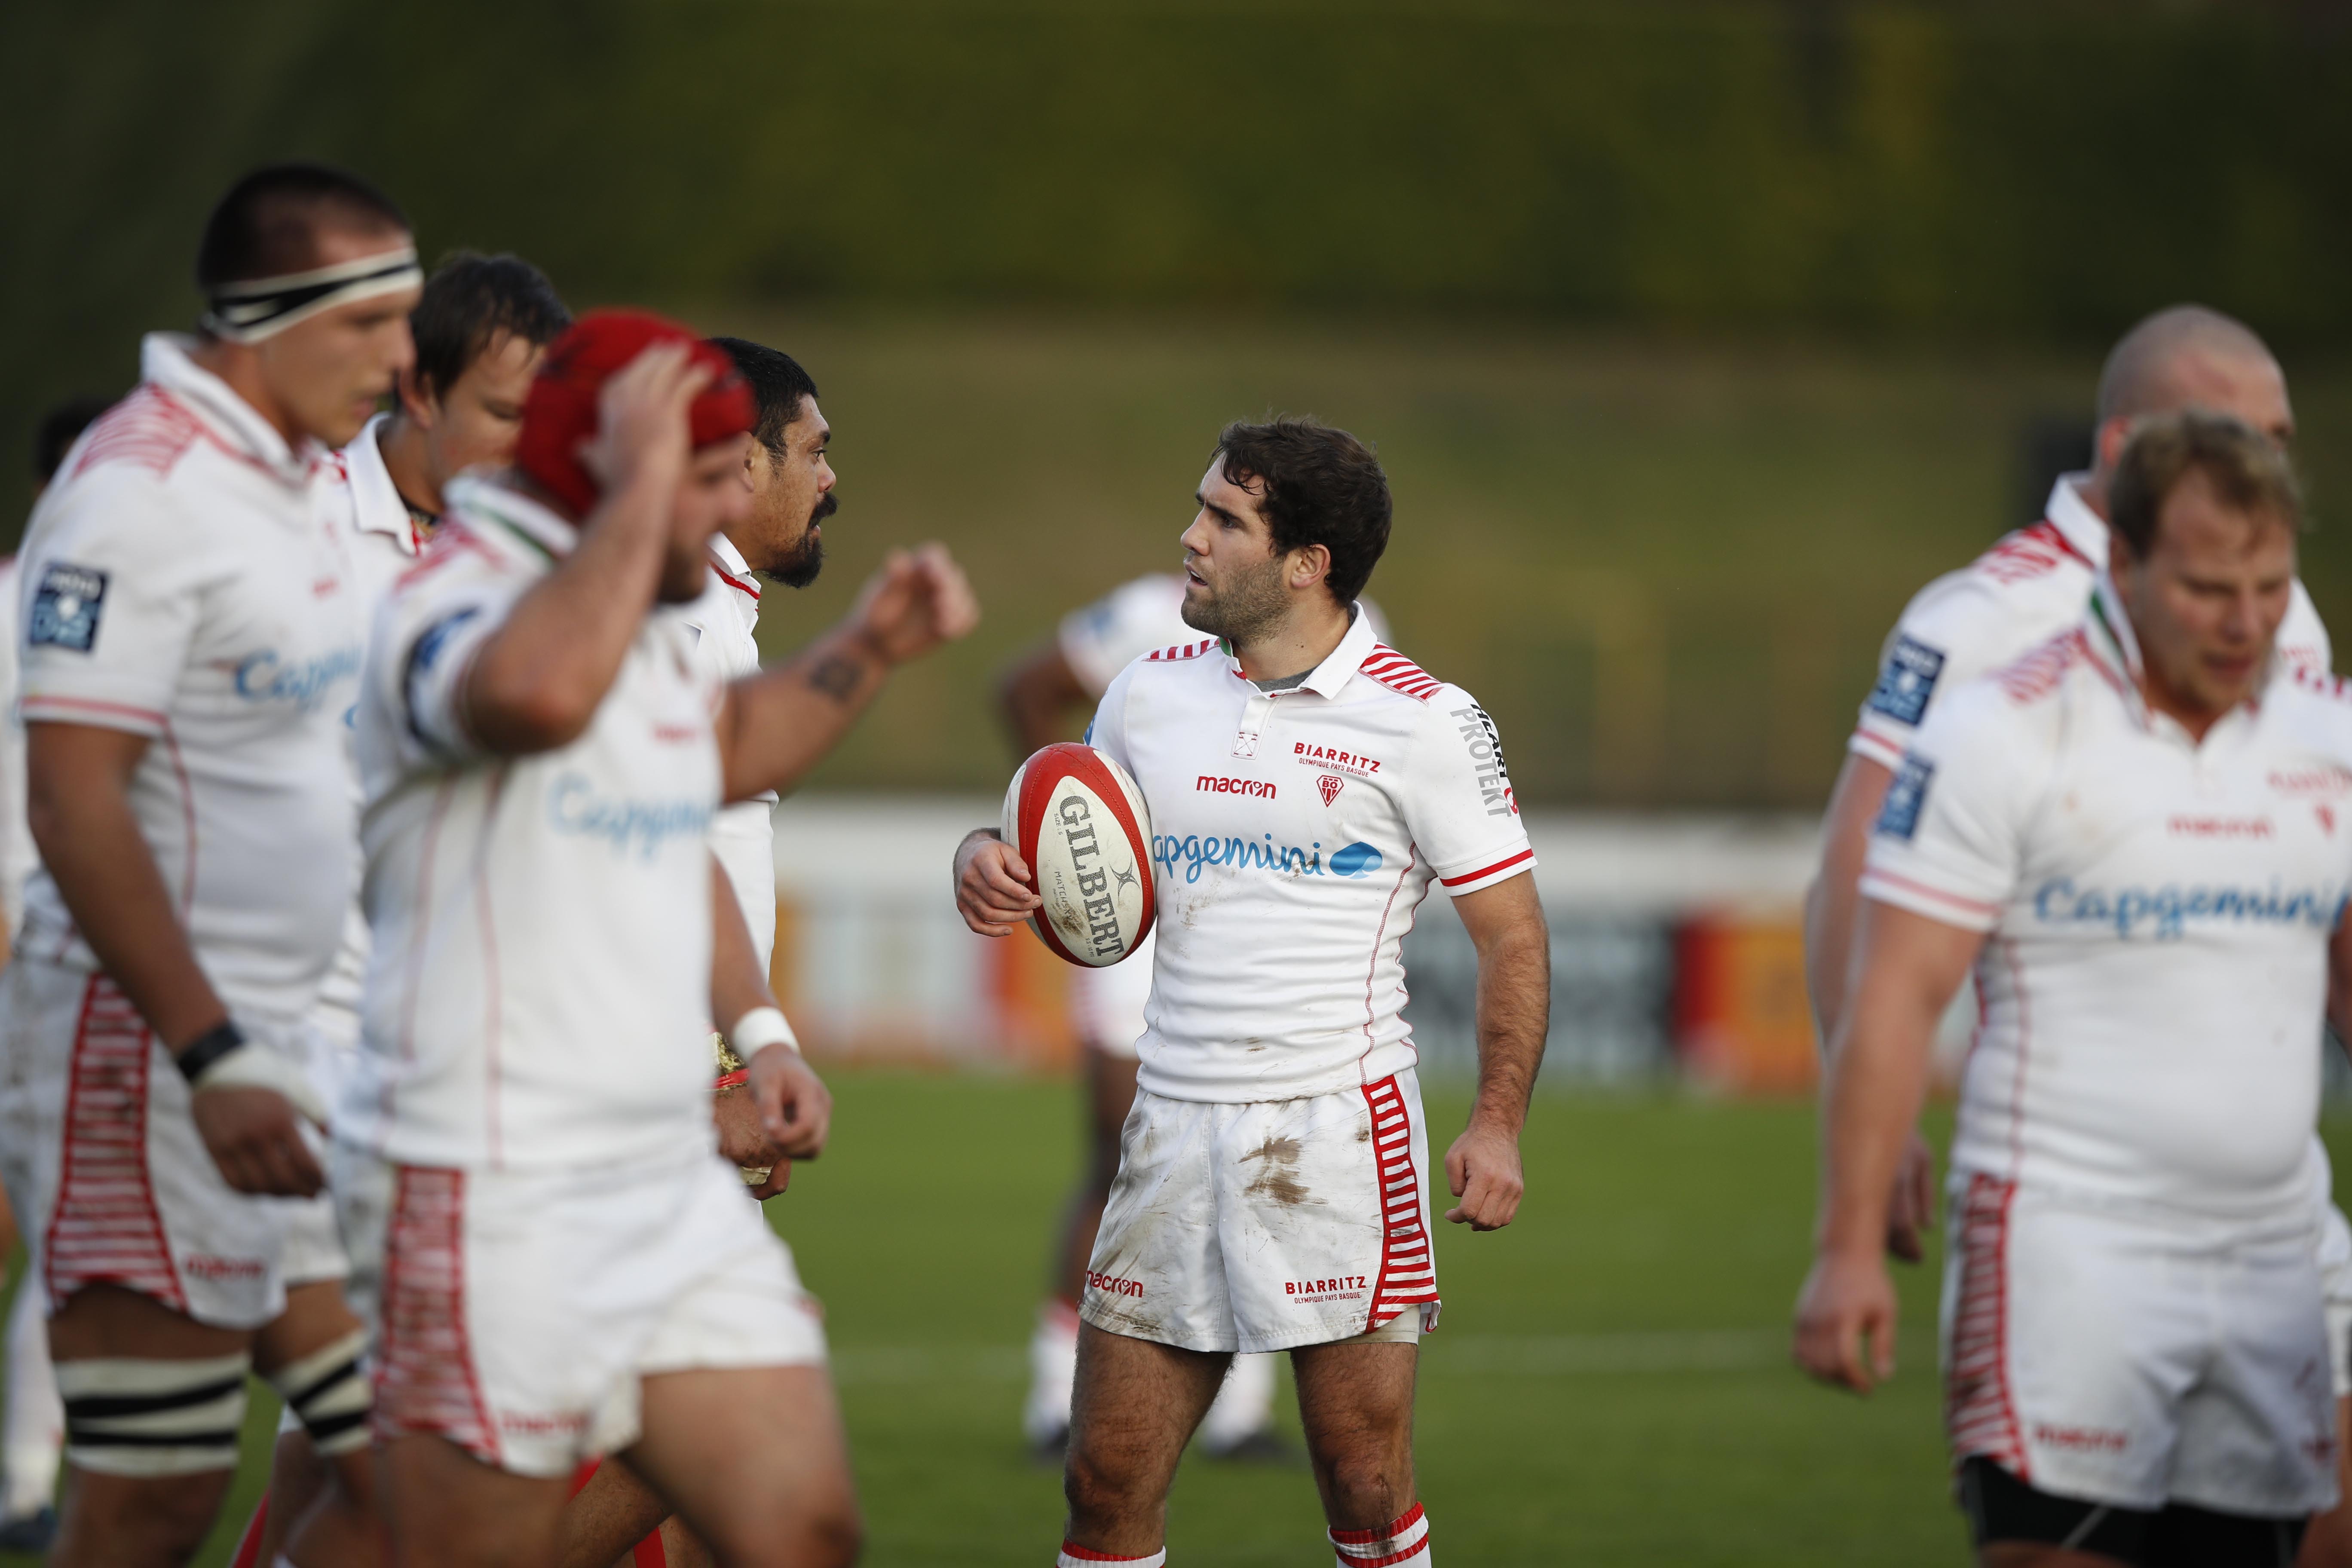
<point>257,1067</point>
<point>758,1029</point>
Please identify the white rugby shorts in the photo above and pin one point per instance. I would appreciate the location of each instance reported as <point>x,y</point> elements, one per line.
<point>515,1312</point>
<point>2335,1285</point>
<point>2113,1358</point>
<point>1269,1224</point>
<point>1106,1004</point>
<point>104,1165</point>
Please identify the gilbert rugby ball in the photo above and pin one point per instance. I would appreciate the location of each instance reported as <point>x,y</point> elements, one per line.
<point>1078,820</point>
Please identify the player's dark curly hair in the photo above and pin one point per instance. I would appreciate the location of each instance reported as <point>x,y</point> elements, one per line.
<point>1322,486</point>
<point>469,301</point>
<point>2248,472</point>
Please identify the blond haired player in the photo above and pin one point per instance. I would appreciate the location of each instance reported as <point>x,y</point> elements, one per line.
<point>2028,588</point>
<point>190,640</point>
<point>1307,785</point>
<point>1072,669</point>
<point>2140,835</point>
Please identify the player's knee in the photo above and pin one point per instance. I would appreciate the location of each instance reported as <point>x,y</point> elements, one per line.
<point>825,1533</point>
<point>1098,1487</point>
<point>165,1523</point>
<point>1366,1482</point>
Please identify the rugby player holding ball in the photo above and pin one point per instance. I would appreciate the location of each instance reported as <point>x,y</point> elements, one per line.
<point>1304,783</point>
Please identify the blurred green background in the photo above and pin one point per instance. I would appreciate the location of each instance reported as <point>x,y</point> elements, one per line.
<point>1695,335</point>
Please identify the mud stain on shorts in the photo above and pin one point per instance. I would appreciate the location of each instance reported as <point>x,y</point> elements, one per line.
<point>1278,1177</point>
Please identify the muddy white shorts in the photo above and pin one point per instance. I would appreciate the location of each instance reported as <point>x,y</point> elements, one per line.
<point>103,1163</point>
<point>1106,1004</point>
<point>1266,1226</point>
<point>2114,1359</point>
<point>514,1314</point>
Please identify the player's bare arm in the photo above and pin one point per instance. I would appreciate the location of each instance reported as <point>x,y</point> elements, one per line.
<point>1830,905</point>
<point>538,679</point>
<point>78,800</point>
<point>991,884</point>
<point>788,1111</point>
<point>1908,968</point>
<point>1506,923</point>
<point>782,722</point>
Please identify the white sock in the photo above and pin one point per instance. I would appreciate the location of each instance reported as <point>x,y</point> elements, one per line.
<point>1402,1540</point>
<point>33,1430</point>
<point>1053,1372</point>
<point>1075,1556</point>
<point>1244,1406</point>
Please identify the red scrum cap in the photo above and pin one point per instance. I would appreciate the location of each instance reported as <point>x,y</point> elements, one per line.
<point>560,412</point>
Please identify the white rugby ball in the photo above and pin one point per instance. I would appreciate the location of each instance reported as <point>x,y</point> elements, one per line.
<point>1078,820</point>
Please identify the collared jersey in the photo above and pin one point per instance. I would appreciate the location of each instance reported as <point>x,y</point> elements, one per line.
<point>1293,834</point>
<point>183,580</point>
<point>726,622</point>
<point>385,545</point>
<point>538,992</point>
<point>2157,913</point>
<point>2030,586</point>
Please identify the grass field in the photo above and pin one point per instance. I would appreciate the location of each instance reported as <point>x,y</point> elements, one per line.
<point>1610,1385</point>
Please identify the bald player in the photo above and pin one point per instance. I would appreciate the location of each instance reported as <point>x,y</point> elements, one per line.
<point>2029,587</point>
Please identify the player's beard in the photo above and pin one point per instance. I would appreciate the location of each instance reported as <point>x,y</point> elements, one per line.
<point>798,569</point>
<point>1252,604</point>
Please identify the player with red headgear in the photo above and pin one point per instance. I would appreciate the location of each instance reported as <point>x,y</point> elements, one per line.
<point>559,1260</point>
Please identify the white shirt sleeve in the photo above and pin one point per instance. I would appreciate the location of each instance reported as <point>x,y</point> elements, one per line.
<point>1106,731</point>
<point>1457,799</point>
<point>1949,634</point>
<point>111,605</point>
<point>1121,627</point>
<point>1950,841</point>
<point>427,638</point>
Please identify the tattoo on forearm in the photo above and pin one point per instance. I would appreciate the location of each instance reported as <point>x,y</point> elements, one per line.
<point>836,674</point>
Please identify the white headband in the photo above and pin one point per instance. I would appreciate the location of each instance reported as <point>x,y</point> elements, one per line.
<point>258,308</point>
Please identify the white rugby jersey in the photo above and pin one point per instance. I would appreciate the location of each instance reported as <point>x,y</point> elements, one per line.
<point>539,995</point>
<point>726,622</point>
<point>2157,914</point>
<point>385,545</point>
<point>1293,835</point>
<point>2030,586</point>
<point>183,580</point>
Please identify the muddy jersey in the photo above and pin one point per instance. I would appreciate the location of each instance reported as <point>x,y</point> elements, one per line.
<point>183,580</point>
<point>2158,912</point>
<point>538,991</point>
<point>2029,587</point>
<point>1293,834</point>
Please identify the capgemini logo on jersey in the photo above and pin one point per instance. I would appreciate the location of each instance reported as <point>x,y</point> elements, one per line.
<point>1358,860</point>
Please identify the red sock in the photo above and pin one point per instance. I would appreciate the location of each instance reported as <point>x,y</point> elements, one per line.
<point>1405,1539</point>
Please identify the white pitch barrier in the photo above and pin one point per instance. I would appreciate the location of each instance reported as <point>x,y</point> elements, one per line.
<point>873,962</point>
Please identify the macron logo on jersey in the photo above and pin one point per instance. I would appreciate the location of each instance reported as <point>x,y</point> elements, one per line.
<point>2168,910</point>
<point>1906,681</point>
